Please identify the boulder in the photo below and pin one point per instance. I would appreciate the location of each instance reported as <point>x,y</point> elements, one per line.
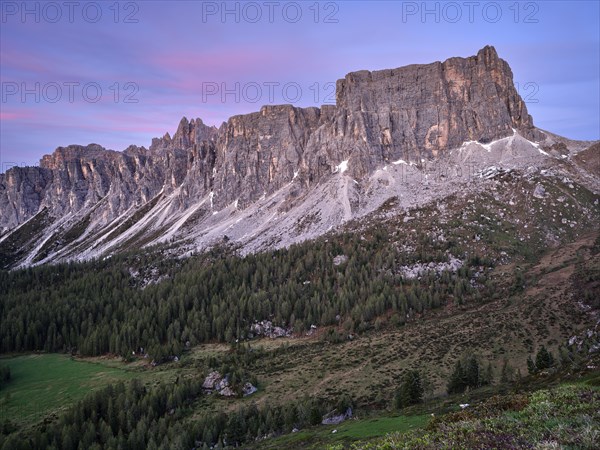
<point>248,389</point>
<point>211,380</point>
<point>333,418</point>
<point>539,191</point>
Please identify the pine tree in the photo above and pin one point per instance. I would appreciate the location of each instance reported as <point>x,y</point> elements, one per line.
<point>506,374</point>
<point>4,375</point>
<point>544,359</point>
<point>457,382</point>
<point>468,373</point>
<point>411,390</point>
<point>315,415</point>
<point>472,373</point>
<point>489,374</point>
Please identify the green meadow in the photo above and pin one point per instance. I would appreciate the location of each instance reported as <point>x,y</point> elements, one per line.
<point>42,384</point>
<point>347,432</point>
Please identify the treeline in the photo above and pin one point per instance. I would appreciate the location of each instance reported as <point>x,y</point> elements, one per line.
<point>100,307</point>
<point>469,373</point>
<point>134,417</point>
<point>120,416</point>
<point>250,423</point>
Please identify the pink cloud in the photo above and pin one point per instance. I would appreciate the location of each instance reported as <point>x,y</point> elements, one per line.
<point>17,115</point>
<point>23,60</point>
<point>218,61</point>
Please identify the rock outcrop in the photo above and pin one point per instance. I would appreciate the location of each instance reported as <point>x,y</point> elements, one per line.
<point>418,111</point>
<point>334,418</point>
<point>215,382</point>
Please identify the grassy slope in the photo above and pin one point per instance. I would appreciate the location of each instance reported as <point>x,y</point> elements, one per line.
<point>559,409</point>
<point>347,432</point>
<point>45,383</point>
<point>566,417</point>
<point>370,365</point>
<point>367,367</point>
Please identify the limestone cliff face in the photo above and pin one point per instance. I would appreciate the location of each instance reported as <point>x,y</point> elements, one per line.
<point>258,153</point>
<point>76,177</point>
<point>409,113</point>
<point>418,111</point>
<point>21,193</point>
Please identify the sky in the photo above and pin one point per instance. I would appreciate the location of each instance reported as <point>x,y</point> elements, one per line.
<point>121,73</point>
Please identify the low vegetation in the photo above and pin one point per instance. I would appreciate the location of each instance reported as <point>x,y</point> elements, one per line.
<point>563,417</point>
<point>396,320</point>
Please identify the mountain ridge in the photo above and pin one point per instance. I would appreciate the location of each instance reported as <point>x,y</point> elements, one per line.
<point>261,174</point>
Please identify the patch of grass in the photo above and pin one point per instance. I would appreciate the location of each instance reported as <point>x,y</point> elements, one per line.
<point>20,241</point>
<point>77,230</point>
<point>42,384</point>
<point>62,238</point>
<point>363,429</point>
<point>347,432</point>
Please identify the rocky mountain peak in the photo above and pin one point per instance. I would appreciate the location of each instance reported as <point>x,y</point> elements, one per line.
<point>488,55</point>
<point>190,133</point>
<point>418,111</point>
<point>197,179</point>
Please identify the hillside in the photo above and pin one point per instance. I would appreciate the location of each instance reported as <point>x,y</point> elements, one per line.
<point>469,275</point>
<point>310,277</point>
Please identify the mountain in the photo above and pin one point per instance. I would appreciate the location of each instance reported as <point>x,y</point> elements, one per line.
<point>414,135</point>
<point>451,255</point>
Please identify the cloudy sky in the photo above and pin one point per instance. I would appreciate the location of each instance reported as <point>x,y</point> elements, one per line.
<point>120,73</point>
